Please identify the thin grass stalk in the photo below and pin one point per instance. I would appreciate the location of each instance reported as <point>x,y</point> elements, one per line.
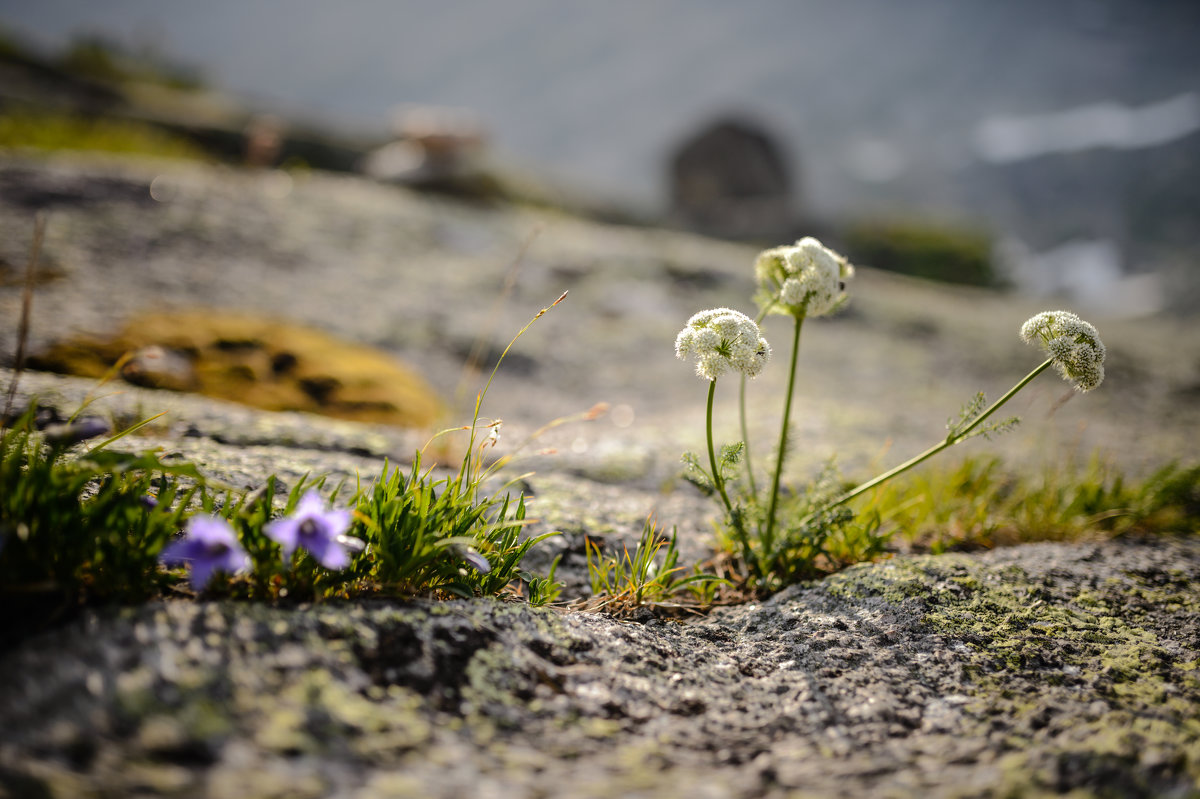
<point>35,249</point>
<point>468,460</point>
<point>479,397</point>
<point>471,367</point>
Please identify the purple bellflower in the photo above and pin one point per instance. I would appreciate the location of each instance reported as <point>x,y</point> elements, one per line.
<point>320,531</point>
<point>209,546</point>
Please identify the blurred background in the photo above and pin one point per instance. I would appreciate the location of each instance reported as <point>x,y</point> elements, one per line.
<point>1050,146</point>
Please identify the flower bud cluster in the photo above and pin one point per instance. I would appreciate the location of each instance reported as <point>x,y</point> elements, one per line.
<point>801,280</point>
<point>1071,343</point>
<point>722,339</point>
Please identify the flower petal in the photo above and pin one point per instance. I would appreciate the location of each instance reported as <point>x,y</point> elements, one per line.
<point>285,532</point>
<point>328,553</point>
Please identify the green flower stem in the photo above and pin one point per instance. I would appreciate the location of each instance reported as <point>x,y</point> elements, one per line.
<point>746,437</point>
<point>768,538</point>
<point>742,418</point>
<point>712,457</point>
<point>950,440</point>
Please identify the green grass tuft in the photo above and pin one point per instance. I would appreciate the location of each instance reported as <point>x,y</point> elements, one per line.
<point>981,503</point>
<point>88,527</point>
<point>428,535</point>
<point>650,576</point>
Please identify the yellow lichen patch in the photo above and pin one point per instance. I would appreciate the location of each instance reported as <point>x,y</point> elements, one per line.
<point>256,361</point>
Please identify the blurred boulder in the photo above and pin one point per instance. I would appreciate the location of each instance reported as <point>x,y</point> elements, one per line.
<point>731,178</point>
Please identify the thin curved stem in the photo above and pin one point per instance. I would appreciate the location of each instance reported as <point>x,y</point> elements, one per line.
<point>951,440</point>
<point>746,438</point>
<point>712,457</point>
<point>742,419</point>
<point>768,538</point>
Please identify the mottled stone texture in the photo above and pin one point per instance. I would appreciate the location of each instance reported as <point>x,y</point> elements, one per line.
<point>1037,670</point>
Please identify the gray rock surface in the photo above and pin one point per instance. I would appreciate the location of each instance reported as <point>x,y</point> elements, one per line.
<point>1038,670</point>
<point>424,278</point>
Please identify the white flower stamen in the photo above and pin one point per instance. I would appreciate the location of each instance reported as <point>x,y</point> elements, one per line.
<point>1071,343</point>
<point>804,279</point>
<point>722,339</point>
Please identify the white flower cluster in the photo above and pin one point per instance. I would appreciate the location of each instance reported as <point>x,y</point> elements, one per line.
<point>801,280</point>
<point>722,339</point>
<point>1073,345</point>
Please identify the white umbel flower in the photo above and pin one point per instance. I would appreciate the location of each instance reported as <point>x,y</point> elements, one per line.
<point>801,280</point>
<point>1071,343</point>
<point>722,339</point>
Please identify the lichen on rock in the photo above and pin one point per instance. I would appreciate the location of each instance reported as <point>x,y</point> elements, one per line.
<point>258,361</point>
<point>1038,670</point>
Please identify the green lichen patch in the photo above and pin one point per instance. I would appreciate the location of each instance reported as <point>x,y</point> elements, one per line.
<point>1092,683</point>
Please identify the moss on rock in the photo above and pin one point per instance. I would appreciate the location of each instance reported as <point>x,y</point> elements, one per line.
<point>1093,683</point>
<point>256,361</point>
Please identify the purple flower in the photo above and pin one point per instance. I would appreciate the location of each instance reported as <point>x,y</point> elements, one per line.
<point>209,546</point>
<point>319,531</point>
<point>64,435</point>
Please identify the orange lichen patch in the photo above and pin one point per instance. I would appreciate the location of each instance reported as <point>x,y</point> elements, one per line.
<point>256,361</point>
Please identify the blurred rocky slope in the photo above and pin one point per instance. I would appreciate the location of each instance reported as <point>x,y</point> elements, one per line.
<point>430,279</point>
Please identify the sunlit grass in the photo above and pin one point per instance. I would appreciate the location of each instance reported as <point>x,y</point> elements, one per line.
<point>651,575</point>
<point>85,524</point>
<point>983,502</point>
